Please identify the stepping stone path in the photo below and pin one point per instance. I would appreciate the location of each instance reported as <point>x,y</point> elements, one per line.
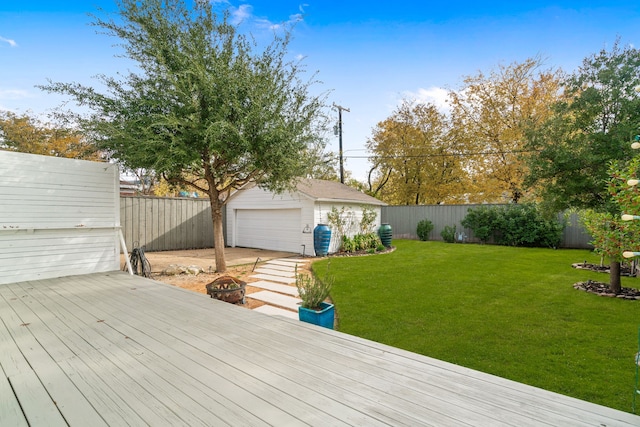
<point>280,298</point>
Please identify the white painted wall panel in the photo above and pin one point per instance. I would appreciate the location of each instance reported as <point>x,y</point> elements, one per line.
<point>322,209</point>
<point>58,217</point>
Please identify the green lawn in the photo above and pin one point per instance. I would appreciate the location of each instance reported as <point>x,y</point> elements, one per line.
<point>507,311</point>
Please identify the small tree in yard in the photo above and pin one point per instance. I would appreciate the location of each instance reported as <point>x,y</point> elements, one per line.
<point>611,235</point>
<point>205,107</point>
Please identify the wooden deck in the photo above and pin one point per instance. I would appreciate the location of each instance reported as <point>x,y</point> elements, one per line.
<point>113,349</point>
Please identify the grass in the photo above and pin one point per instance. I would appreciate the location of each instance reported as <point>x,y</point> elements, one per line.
<point>511,312</point>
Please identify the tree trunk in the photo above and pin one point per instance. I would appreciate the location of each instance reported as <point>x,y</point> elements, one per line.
<point>218,234</point>
<point>615,285</point>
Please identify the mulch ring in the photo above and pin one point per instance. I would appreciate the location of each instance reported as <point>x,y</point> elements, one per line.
<point>602,289</point>
<point>625,269</point>
<point>362,253</point>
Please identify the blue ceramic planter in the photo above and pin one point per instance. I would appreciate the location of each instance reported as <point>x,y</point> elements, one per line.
<point>323,318</point>
<point>385,234</point>
<point>321,239</point>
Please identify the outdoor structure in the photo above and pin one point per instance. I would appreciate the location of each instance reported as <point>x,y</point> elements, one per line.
<point>58,217</point>
<point>261,219</point>
<point>106,348</point>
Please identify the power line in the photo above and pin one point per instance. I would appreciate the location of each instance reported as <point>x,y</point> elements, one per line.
<point>423,156</point>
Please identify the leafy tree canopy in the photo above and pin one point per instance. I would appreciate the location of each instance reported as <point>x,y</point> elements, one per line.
<point>474,153</point>
<point>415,159</point>
<point>26,134</point>
<point>206,106</point>
<point>591,125</point>
<point>490,116</point>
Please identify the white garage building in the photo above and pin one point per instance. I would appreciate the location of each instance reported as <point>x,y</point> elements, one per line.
<point>261,219</point>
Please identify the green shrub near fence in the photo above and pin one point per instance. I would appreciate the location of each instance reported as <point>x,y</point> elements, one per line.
<point>424,228</point>
<point>448,234</point>
<point>514,225</point>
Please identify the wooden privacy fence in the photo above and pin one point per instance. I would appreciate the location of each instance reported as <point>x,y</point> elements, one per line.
<point>404,222</point>
<point>162,224</point>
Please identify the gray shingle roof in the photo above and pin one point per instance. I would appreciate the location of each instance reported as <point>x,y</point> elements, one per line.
<point>321,190</point>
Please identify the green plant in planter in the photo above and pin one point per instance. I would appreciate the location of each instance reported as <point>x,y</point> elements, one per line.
<point>312,290</point>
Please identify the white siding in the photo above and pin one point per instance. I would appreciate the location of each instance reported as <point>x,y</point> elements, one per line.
<point>322,209</point>
<point>58,217</point>
<point>264,207</point>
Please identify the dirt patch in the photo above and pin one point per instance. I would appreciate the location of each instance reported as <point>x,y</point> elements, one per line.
<point>205,258</point>
<point>198,283</point>
<point>240,264</point>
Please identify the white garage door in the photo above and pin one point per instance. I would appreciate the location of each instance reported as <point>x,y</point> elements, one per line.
<point>275,229</point>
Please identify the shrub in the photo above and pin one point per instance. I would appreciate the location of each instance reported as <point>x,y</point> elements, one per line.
<point>424,228</point>
<point>372,241</point>
<point>367,221</point>
<point>348,244</point>
<point>361,242</point>
<point>514,225</point>
<point>483,221</point>
<point>448,234</point>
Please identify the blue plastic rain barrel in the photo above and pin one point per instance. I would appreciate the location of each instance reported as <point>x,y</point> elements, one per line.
<point>321,239</point>
<point>385,234</point>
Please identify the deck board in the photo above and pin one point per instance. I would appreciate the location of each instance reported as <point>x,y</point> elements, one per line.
<point>118,349</point>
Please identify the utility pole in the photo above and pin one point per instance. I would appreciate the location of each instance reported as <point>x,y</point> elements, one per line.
<point>340,109</point>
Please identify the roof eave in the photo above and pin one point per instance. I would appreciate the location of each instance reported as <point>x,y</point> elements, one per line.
<point>351,201</point>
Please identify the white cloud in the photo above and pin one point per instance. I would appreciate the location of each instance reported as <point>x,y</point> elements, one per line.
<point>241,13</point>
<point>293,19</point>
<point>14,94</point>
<point>434,95</point>
<point>11,42</point>
<point>244,14</point>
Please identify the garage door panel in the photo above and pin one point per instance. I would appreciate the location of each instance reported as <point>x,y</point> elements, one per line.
<point>275,229</point>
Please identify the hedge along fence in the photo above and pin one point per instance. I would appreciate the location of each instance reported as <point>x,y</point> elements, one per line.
<point>404,223</point>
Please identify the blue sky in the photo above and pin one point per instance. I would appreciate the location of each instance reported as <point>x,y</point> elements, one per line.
<point>368,54</point>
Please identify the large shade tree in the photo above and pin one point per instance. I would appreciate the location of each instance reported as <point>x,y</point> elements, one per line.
<point>415,161</point>
<point>206,106</point>
<point>591,125</point>
<point>491,114</point>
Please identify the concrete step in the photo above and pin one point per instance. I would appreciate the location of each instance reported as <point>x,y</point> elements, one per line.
<point>275,311</point>
<point>275,272</point>
<point>276,299</point>
<point>275,287</point>
<point>283,262</point>
<point>272,278</point>
<point>278,267</point>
